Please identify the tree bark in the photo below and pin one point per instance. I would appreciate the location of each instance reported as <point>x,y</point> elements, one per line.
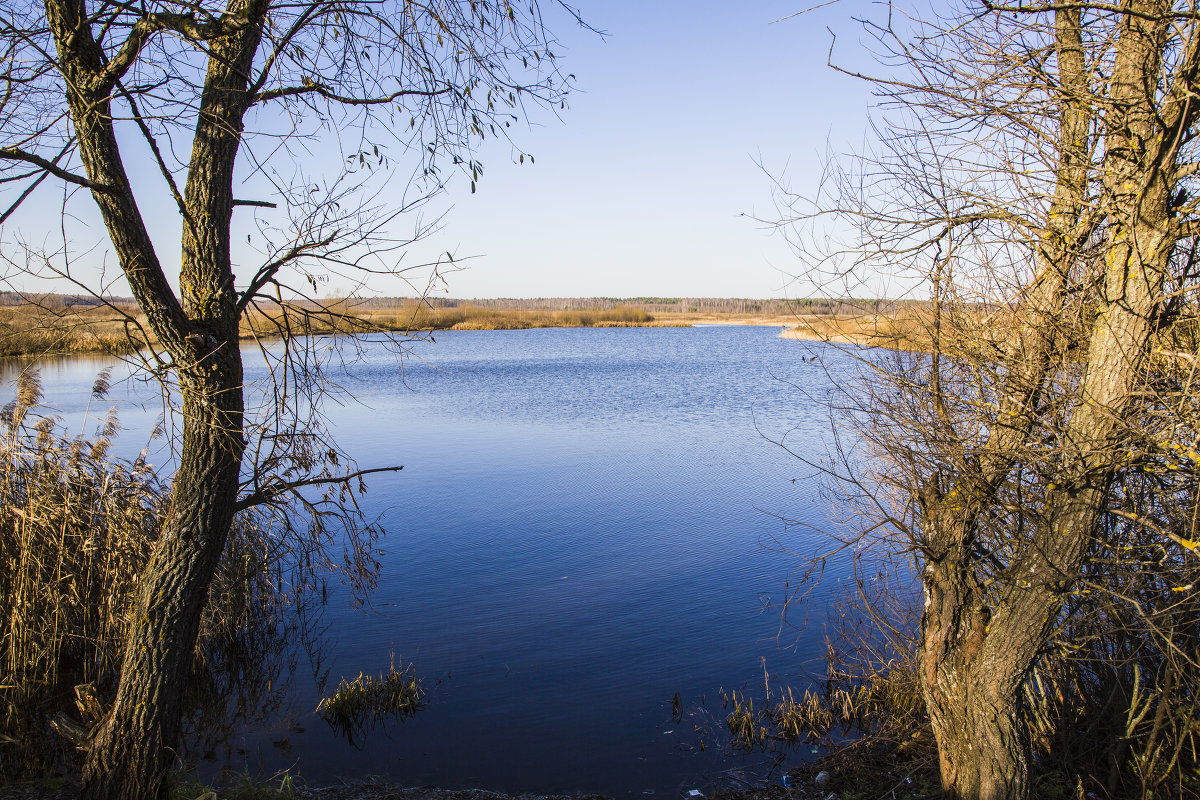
<point>970,696</point>
<point>980,642</point>
<point>132,748</point>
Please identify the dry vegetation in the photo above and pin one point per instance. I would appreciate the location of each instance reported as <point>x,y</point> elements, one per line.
<point>76,526</point>
<point>47,325</point>
<point>907,326</point>
<point>73,528</point>
<point>422,316</point>
<point>906,330</point>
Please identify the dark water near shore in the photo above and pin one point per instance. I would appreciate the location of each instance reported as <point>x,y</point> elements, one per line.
<point>588,521</point>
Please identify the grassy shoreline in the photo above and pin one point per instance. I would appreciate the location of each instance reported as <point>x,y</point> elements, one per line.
<point>51,325</point>
<point>45,329</point>
<point>901,331</point>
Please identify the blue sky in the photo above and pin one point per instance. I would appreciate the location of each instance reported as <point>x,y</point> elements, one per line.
<point>647,184</point>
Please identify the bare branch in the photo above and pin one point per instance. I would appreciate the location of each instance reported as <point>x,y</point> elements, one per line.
<point>328,94</point>
<point>268,494</point>
<point>52,168</point>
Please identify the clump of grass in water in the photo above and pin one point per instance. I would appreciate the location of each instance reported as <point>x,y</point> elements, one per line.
<point>795,719</point>
<point>885,703</point>
<point>359,704</point>
<point>748,733</point>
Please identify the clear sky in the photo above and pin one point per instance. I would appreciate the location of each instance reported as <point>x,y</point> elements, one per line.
<point>647,184</point>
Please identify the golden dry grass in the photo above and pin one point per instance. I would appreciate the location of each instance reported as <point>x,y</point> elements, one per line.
<point>421,317</point>
<point>764,320</point>
<point>906,329</point>
<point>76,529</point>
<point>47,328</point>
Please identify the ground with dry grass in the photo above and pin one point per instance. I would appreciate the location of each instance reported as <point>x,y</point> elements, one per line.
<point>50,327</point>
<point>903,331</point>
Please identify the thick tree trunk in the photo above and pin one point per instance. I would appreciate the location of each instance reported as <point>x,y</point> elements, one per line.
<point>133,747</point>
<point>974,658</point>
<point>971,690</point>
<point>980,750</point>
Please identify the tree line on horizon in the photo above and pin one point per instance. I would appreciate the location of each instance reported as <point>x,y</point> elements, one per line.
<point>685,305</point>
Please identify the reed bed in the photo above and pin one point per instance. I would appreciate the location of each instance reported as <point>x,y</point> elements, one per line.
<point>420,316</point>
<point>76,528</point>
<point>48,327</point>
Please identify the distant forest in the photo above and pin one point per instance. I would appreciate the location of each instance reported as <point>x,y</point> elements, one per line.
<point>654,305</point>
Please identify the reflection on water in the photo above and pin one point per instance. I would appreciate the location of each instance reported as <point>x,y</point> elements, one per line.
<point>255,638</point>
<point>584,547</point>
<point>359,705</point>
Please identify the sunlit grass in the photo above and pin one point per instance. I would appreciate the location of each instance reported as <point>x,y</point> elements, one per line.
<point>357,705</point>
<point>886,701</point>
<point>903,329</point>
<point>76,529</point>
<point>745,726</point>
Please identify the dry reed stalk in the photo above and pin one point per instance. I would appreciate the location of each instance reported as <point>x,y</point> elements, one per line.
<point>76,527</point>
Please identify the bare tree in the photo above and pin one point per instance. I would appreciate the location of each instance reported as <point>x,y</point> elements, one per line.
<point>1032,183</point>
<point>215,93</point>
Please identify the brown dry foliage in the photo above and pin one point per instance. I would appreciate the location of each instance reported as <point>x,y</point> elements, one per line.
<point>76,528</point>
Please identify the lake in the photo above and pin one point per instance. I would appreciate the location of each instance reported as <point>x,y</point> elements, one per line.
<point>588,522</point>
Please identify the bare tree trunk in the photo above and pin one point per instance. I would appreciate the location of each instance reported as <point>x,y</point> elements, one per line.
<point>974,656</point>
<point>132,748</point>
<point>980,643</point>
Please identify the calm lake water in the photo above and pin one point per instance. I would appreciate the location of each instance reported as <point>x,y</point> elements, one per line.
<point>588,522</point>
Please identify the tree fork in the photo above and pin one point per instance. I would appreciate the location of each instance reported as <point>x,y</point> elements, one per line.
<point>131,750</point>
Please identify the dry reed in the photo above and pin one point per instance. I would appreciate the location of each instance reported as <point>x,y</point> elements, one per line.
<point>47,327</point>
<point>76,528</point>
<point>420,316</point>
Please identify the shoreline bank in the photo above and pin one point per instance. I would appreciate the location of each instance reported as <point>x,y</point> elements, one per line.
<point>73,336</point>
